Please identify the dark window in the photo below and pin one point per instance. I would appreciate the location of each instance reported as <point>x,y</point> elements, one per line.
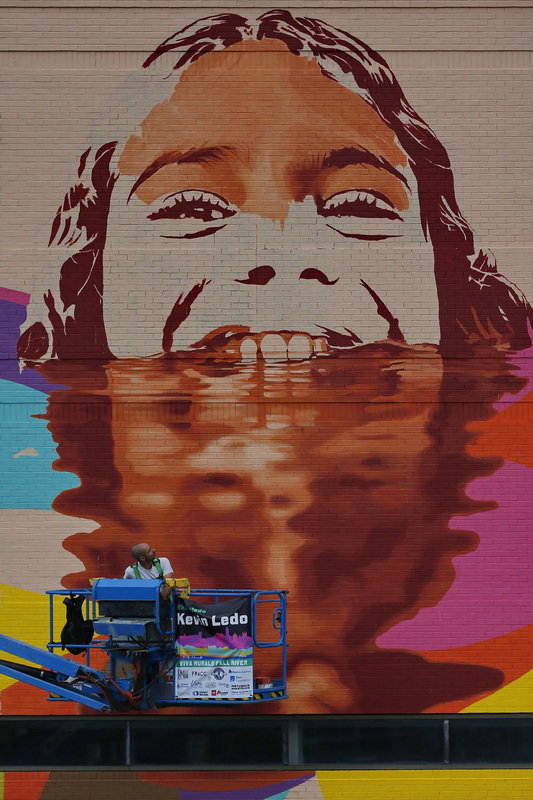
<point>62,743</point>
<point>258,742</point>
<point>490,741</point>
<point>194,742</point>
<point>395,741</point>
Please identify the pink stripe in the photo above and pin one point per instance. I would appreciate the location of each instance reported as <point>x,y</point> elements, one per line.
<point>491,594</point>
<point>22,298</point>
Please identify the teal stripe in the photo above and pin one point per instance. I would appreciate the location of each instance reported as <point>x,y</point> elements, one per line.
<point>27,480</point>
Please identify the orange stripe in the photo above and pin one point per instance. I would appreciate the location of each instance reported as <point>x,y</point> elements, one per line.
<point>28,785</point>
<point>509,435</point>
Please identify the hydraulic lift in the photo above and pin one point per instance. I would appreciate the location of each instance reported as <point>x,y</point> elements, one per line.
<point>196,648</point>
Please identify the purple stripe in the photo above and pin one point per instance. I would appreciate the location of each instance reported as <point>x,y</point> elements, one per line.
<point>12,315</point>
<point>261,793</point>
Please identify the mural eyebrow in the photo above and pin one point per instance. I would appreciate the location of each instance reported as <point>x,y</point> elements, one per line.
<point>349,156</point>
<point>198,155</point>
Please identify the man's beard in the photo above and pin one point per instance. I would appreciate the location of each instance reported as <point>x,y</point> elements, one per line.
<point>328,476</point>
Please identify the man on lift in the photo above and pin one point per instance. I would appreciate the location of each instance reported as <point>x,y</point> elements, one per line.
<point>147,565</point>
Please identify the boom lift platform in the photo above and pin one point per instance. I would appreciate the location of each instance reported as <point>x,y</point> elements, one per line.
<point>196,648</point>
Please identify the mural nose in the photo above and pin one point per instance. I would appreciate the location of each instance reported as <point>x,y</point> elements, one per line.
<point>260,276</point>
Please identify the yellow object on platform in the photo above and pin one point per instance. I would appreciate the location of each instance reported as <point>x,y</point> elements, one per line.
<point>182,584</point>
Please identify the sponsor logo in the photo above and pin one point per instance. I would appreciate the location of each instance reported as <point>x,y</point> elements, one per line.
<point>218,673</point>
<point>232,678</point>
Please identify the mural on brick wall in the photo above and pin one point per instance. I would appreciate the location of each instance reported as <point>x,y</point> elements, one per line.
<point>494,784</point>
<point>278,355</point>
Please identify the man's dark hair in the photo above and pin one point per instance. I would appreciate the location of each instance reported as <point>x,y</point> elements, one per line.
<point>476,302</point>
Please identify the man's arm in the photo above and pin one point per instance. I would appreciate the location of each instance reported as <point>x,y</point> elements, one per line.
<point>166,589</point>
<point>168,572</point>
<point>166,566</point>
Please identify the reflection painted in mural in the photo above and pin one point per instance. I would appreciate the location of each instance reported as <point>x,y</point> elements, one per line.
<point>336,478</point>
<point>269,312</point>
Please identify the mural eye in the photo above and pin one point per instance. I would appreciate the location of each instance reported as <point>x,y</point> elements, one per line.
<point>361,214</point>
<point>191,214</point>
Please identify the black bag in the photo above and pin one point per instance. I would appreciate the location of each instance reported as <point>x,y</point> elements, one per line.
<point>76,630</point>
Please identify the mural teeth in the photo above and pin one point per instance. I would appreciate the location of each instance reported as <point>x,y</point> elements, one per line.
<point>276,347</point>
<point>320,345</point>
<point>300,346</point>
<point>273,347</point>
<point>249,349</point>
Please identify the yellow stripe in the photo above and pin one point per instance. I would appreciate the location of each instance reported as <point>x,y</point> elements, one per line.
<point>24,615</point>
<point>422,784</point>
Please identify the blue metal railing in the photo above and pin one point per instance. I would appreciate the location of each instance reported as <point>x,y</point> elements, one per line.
<point>259,600</point>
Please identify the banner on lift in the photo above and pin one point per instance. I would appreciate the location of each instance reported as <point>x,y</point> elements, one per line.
<point>215,655</point>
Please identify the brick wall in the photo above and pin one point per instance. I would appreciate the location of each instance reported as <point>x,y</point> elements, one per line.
<point>306,371</point>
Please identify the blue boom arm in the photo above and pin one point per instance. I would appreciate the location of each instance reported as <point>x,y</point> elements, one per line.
<point>62,676</point>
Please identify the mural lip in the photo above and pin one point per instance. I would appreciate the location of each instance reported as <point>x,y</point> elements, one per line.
<point>282,347</point>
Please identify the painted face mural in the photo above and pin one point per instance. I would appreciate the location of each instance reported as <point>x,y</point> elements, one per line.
<point>268,316</point>
<point>252,188</point>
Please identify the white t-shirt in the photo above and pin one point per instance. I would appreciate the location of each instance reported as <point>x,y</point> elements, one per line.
<point>150,573</point>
